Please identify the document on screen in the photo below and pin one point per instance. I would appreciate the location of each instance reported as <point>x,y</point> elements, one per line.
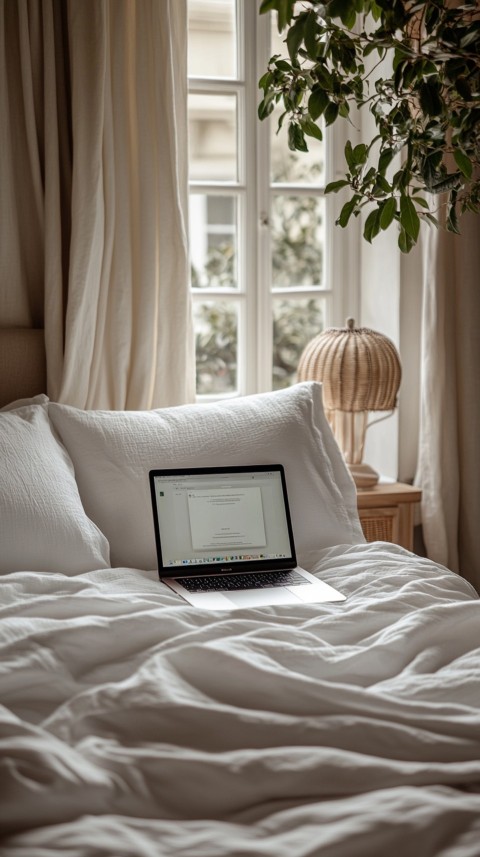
<point>226,518</point>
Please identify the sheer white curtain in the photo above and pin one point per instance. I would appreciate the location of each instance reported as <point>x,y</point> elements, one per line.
<point>97,142</point>
<point>449,450</point>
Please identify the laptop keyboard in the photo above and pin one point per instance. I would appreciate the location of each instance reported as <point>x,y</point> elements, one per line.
<point>230,582</point>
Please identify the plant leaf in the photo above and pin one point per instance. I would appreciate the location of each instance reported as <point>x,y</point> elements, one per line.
<point>332,187</point>
<point>387,212</point>
<point>331,113</point>
<point>372,225</point>
<point>360,153</point>
<point>323,76</point>
<point>355,157</point>
<point>405,242</point>
<point>295,38</point>
<point>463,163</point>
<point>296,138</point>
<point>266,105</point>
<point>317,103</point>
<point>470,37</point>
<point>431,101</point>
<point>452,219</point>
<point>310,128</point>
<point>283,65</point>
<point>284,9</point>
<point>310,35</point>
<point>347,211</point>
<point>409,217</point>
<point>343,9</point>
<point>265,80</point>
<point>382,183</point>
<point>463,88</point>
<point>431,218</point>
<point>349,155</point>
<point>450,182</point>
<point>385,160</point>
<point>267,6</point>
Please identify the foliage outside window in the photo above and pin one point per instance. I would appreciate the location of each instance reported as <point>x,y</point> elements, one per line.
<point>297,257</point>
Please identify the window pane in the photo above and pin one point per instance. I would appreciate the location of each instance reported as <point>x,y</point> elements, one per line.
<point>295,322</point>
<point>297,232</point>
<point>212,38</point>
<point>298,167</point>
<point>216,337</point>
<point>213,241</point>
<point>213,137</point>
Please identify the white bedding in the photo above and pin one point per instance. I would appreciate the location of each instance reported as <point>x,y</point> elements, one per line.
<point>133,724</point>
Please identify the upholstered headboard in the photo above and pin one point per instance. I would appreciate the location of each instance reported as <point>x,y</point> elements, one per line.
<point>22,364</point>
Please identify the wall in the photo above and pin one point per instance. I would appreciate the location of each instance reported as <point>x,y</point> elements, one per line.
<point>391,302</point>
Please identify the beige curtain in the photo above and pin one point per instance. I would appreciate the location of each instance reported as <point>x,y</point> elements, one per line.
<point>95,210</point>
<point>449,451</point>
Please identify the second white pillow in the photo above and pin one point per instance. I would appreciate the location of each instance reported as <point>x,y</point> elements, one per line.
<point>113,452</point>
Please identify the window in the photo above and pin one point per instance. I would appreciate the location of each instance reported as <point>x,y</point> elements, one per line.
<point>263,249</point>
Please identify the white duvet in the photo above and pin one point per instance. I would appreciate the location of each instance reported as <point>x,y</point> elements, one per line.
<point>133,724</point>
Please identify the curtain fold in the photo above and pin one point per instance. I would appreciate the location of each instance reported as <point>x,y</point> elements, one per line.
<point>102,140</point>
<point>21,180</point>
<point>448,470</point>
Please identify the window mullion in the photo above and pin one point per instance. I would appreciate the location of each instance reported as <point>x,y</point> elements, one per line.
<point>293,189</point>
<point>301,291</point>
<point>219,188</point>
<point>243,238</point>
<point>264,331</point>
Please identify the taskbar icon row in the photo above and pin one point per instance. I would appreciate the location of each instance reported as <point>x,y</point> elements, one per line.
<point>211,560</point>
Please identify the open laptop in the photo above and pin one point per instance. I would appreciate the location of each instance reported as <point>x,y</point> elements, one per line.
<point>224,538</point>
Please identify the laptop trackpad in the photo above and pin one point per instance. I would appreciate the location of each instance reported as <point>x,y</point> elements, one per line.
<point>262,597</point>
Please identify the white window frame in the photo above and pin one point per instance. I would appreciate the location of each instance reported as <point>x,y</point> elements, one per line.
<point>254,295</point>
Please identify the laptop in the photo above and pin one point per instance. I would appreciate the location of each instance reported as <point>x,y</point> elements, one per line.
<point>224,538</point>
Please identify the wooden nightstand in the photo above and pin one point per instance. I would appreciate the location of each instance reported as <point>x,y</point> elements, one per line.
<point>386,512</point>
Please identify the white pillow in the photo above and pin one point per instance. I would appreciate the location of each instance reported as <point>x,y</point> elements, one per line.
<point>43,526</point>
<point>113,451</point>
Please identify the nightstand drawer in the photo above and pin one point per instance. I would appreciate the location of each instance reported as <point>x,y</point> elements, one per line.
<point>386,512</point>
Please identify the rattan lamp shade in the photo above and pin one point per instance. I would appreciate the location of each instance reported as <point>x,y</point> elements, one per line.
<point>359,368</point>
<point>360,371</point>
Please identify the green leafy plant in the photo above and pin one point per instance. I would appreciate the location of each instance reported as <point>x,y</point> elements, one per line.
<point>415,64</point>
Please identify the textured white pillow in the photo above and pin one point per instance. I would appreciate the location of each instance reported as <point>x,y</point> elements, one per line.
<point>43,526</point>
<point>113,451</point>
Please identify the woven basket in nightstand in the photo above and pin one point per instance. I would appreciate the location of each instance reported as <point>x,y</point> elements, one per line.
<point>379,528</point>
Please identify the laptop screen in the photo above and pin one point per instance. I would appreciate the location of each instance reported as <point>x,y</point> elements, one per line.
<point>207,518</point>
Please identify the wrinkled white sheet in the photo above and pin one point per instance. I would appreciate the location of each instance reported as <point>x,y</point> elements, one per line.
<point>133,724</point>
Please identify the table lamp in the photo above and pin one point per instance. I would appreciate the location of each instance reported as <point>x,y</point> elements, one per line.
<point>360,371</point>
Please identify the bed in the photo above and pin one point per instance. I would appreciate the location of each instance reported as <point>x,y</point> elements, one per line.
<point>133,724</point>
